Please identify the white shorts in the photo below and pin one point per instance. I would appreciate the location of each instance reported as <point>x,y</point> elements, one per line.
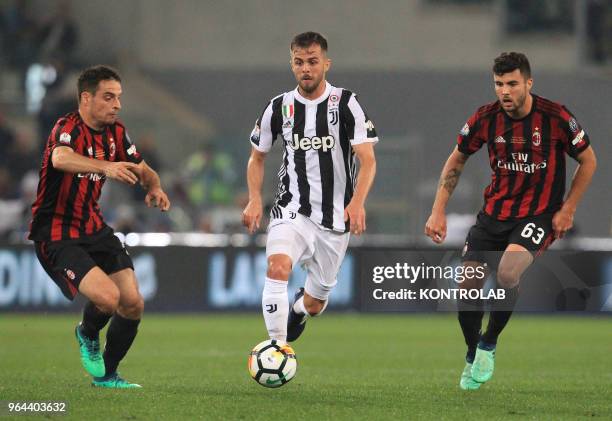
<point>319,251</point>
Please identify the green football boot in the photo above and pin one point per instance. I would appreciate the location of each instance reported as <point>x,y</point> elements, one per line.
<point>114,381</point>
<point>467,382</point>
<point>91,358</point>
<point>483,366</point>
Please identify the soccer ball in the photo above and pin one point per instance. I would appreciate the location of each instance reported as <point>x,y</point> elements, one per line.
<point>272,363</point>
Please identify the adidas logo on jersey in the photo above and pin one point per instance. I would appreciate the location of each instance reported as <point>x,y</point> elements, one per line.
<point>324,143</point>
<point>500,139</point>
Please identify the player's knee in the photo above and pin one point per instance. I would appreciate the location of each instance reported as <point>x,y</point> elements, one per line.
<point>467,283</point>
<point>507,277</point>
<point>139,306</point>
<point>108,300</point>
<point>133,308</point>
<point>473,276</point>
<point>279,270</point>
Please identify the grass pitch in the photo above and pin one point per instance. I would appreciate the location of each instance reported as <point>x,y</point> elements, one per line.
<point>349,366</point>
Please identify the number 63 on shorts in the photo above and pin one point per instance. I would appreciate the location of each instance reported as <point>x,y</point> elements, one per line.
<point>534,233</point>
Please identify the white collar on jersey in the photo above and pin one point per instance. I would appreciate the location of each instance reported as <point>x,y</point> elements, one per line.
<point>323,97</point>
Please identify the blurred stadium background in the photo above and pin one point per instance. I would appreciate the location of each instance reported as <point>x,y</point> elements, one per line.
<point>196,74</point>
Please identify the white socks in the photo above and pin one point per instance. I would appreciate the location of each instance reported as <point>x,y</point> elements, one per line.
<point>275,308</point>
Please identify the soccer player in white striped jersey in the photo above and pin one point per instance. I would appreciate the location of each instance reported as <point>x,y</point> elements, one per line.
<point>320,198</point>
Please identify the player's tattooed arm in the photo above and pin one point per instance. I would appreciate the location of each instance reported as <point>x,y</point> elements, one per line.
<point>435,228</point>
<point>451,172</point>
<point>450,179</point>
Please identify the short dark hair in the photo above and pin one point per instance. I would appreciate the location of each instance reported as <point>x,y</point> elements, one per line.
<point>509,62</point>
<point>306,39</point>
<point>90,78</point>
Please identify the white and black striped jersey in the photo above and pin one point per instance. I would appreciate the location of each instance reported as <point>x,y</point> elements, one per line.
<point>317,175</point>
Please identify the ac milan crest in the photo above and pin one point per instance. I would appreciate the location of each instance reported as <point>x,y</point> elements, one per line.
<point>536,138</point>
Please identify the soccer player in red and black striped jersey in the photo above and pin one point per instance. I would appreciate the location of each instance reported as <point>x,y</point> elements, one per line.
<point>527,137</point>
<point>73,243</point>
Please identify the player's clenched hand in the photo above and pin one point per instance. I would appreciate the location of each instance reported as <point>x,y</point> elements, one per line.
<point>562,221</point>
<point>158,198</point>
<point>355,212</point>
<point>122,171</point>
<point>251,216</point>
<point>435,228</point>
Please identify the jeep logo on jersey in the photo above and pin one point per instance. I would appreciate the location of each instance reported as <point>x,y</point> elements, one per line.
<point>324,143</point>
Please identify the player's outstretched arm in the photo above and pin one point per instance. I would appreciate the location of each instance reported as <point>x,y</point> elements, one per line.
<point>435,228</point>
<point>563,220</point>
<point>355,210</point>
<point>251,216</point>
<point>64,159</point>
<point>151,182</point>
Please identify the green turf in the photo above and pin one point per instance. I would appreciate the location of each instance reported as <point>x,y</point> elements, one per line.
<point>350,366</point>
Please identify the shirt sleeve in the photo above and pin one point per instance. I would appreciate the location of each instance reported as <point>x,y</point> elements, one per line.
<point>65,133</point>
<point>576,139</point>
<point>469,140</point>
<point>359,127</point>
<point>263,134</point>
<point>130,153</point>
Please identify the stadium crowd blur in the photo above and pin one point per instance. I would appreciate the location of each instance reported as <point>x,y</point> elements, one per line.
<point>206,186</point>
<point>204,191</point>
<point>39,53</point>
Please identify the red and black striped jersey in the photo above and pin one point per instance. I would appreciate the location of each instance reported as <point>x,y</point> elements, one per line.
<point>527,156</point>
<point>66,206</point>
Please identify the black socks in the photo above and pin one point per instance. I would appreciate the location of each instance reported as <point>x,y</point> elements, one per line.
<point>501,310</point>
<point>470,318</point>
<point>93,320</point>
<point>119,338</point>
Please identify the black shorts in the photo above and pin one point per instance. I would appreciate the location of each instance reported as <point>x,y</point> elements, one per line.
<point>67,262</point>
<point>489,237</point>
